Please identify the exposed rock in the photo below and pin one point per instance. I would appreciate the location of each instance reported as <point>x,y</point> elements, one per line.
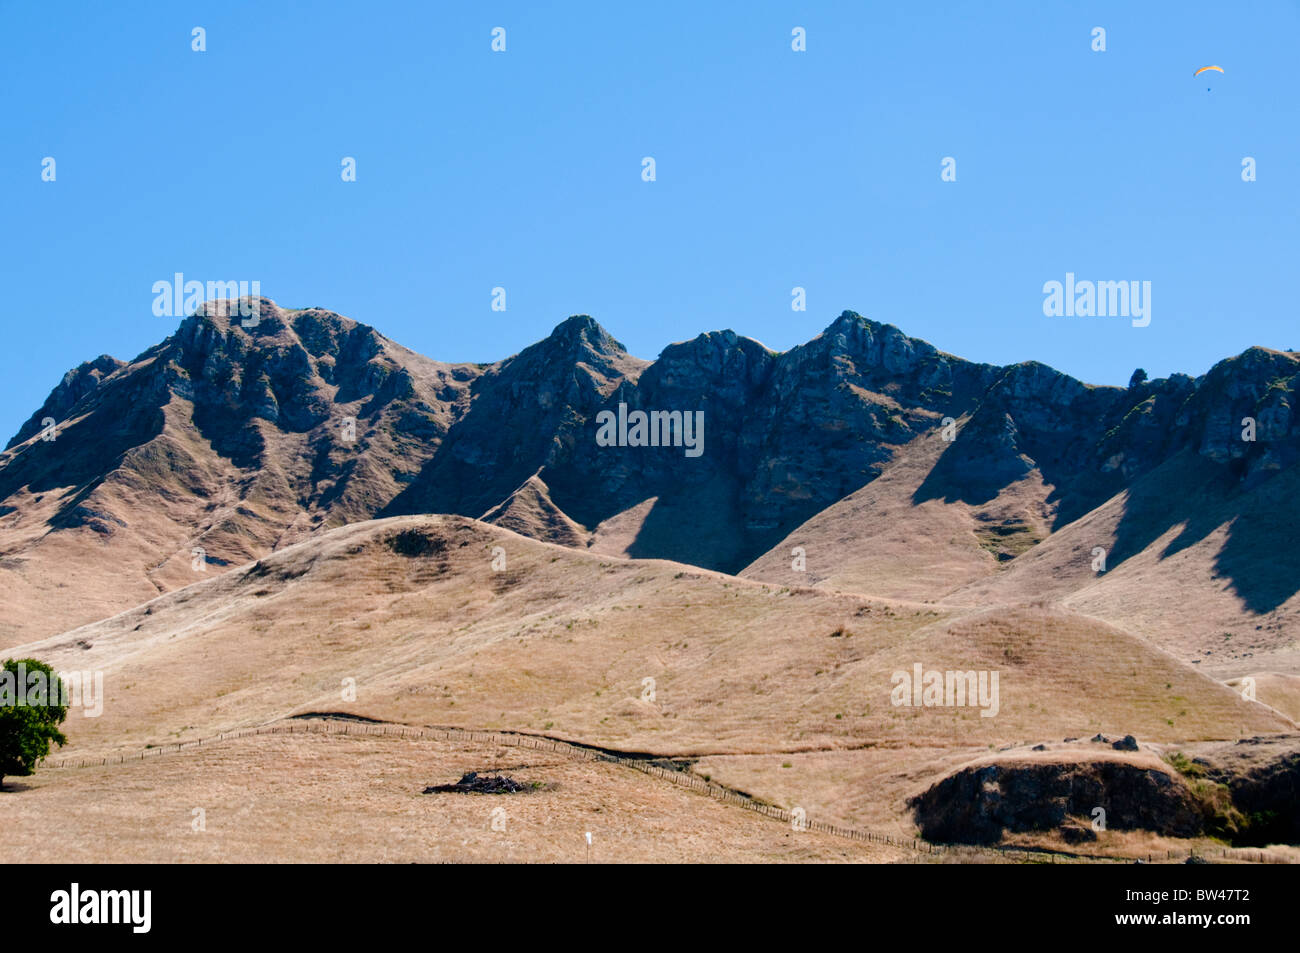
<point>977,804</point>
<point>1075,830</point>
<point>472,783</point>
<point>76,384</point>
<point>1262,775</point>
<point>309,419</point>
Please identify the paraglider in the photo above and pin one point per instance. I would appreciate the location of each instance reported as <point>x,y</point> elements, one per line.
<point>1203,69</point>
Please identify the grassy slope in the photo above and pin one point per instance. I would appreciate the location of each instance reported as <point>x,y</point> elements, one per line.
<point>326,799</point>
<point>560,641</point>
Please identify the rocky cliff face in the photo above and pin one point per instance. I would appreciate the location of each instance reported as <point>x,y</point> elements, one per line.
<point>978,805</point>
<point>320,411</point>
<point>76,384</point>
<point>789,434</point>
<point>1243,791</point>
<point>214,447</point>
<point>1261,775</point>
<point>784,434</point>
<point>237,440</point>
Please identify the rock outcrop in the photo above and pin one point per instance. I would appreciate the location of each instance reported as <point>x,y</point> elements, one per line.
<point>235,440</point>
<point>981,803</point>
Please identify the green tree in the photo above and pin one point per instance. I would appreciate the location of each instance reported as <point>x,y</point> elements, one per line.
<point>27,729</point>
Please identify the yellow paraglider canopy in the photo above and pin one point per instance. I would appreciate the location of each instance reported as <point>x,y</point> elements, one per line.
<point>1204,68</point>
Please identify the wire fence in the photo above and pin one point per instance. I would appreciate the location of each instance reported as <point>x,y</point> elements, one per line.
<point>679,777</point>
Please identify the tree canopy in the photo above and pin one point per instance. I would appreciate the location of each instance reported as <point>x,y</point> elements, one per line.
<point>33,703</point>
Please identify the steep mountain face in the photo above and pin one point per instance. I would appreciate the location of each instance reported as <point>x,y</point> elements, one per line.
<point>835,410</point>
<point>1091,442</point>
<point>76,384</point>
<point>1148,506</point>
<point>784,436</point>
<point>212,448</point>
<point>526,413</point>
<point>898,468</point>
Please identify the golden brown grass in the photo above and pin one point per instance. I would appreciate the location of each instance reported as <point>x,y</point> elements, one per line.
<point>561,642</point>
<point>748,677</point>
<point>330,798</point>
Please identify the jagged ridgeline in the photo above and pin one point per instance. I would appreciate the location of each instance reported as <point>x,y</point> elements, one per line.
<point>897,469</point>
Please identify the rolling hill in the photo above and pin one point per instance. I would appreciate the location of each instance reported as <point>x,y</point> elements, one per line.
<point>558,641</point>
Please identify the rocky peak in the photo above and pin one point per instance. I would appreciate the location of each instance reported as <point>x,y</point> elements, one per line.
<point>76,384</point>
<point>786,434</point>
<point>581,333</point>
<point>721,362</point>
<point>1257,385</point>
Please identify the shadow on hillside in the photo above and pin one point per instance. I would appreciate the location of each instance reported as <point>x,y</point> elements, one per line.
<point>702,527</point>
<point>976,469</point>
<point>696,520</point>
<point>83,454</point>
<point>1198,497</point>
<point>1187,493</point>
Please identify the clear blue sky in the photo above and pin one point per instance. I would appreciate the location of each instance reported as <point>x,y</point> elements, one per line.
<point>775,169</point>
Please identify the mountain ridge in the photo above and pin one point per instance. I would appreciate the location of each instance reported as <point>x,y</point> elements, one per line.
<point>226,442</point>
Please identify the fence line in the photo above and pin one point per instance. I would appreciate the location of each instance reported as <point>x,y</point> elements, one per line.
<point>326,725</point>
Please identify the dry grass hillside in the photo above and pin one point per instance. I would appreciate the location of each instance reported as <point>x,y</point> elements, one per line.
<point>879,540</point>
<point>749,679</point>
<point>203,532</point>
<point>1212,590</point>
<point>336,799</point>
<point>1200,589</point>
<point>560,642</point>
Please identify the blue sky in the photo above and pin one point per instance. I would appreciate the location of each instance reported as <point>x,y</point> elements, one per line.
<point>775,169</point>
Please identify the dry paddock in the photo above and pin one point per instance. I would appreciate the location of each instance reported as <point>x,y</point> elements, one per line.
<point>330,797</point>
